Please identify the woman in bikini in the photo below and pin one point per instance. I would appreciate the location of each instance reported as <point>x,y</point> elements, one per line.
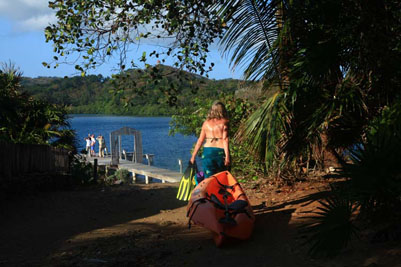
<point>216,154</point>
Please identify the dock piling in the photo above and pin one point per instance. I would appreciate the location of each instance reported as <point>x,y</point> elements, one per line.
<point>180,163</point>
<point>133,177</point>
<point>95,170</point>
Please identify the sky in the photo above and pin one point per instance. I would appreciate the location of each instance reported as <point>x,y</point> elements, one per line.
<point>22,43</point>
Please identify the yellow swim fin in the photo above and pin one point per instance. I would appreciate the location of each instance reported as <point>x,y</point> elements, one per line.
<point>187,183</point>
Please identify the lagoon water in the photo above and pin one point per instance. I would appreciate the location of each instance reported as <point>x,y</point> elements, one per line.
<point>155,139</point>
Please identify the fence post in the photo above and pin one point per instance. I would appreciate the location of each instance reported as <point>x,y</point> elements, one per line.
<point>95,170</point>
<point>180,163</point>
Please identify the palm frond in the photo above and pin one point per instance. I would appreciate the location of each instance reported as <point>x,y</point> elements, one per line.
<point>252,36</point>
<point>264,128</point>
<point>374,174</point>
<point>332,226</point>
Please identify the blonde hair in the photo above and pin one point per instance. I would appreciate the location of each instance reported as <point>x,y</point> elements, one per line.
<point>217,111</point>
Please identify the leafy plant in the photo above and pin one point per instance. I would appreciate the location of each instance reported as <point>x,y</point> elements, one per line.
<point>123,175</point>
<point>26,120</point>
<point>371,195</point>
<point>320,71</point>
<point>332,227</point>
<point>109,180</point>
<point>375,175</point>
<point>119,175</point>
<point>81,171</point>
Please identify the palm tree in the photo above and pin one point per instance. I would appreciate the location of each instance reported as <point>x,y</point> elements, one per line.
<point>27,120</point>
<point>319,97</point>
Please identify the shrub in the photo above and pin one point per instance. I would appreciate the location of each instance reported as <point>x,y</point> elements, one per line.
<point>120,175</point>
<point>375,173</point>
<point>81,171</point>
<point>374,186</point>
<point>123,175</point>
<point>332,226</point>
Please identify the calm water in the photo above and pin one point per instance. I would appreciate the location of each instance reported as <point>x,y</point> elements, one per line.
<point>155,139</point>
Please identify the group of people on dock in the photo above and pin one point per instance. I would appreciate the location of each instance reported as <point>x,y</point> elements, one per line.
<point>91,142</point>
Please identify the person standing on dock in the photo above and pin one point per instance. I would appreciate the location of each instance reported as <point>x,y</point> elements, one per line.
<point>216,154</point>
<point>93,143</point>
<point>88,145</point>
<point>101,141</point>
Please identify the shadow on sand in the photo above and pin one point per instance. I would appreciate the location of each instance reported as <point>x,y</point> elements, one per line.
<point>146,226</point>
<point>32,226</point>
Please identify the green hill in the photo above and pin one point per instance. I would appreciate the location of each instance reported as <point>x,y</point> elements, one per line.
<point>137,92</point>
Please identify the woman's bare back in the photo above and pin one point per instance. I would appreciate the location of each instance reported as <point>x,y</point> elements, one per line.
<point>216,131</point>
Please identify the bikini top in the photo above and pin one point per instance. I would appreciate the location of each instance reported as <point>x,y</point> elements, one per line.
<point>214,139</point>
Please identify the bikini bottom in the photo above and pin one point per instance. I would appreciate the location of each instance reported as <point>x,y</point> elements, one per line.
<point>213,160</point>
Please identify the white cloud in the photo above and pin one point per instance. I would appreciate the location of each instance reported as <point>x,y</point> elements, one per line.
<point>36,23</point>
<point>27,15</point>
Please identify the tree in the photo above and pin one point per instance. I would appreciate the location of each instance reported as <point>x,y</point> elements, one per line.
<point>97,29</point>
<point>26,120</point>
<point>328,66</point>
<point>325,71</point>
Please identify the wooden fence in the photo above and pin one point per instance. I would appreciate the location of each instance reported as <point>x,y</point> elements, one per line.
<point>19,159</point>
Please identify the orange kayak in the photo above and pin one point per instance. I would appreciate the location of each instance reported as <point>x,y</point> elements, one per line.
<point>219,204</point>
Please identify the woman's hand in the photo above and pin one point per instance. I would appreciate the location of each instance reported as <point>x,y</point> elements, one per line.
<point>227,161</point>
<point>198,144</point>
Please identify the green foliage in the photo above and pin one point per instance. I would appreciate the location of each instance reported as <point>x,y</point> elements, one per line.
<point>375,174</point>
<point>332,227</point>
<point>124,175</point>
<point>374,187</point>
<point>252,36</point>
<point>190,118</point>
<point>109,180</point>
<point>81,171</point>
<point>27,120</point>
<point>99,29</point>
<point>97,95</point>
<point>120,175</point>
<point>263,129</point>
<point>329,81</point>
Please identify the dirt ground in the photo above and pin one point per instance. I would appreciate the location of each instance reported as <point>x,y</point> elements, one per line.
<point>144,225</point>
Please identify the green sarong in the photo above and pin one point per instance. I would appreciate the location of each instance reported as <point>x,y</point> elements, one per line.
<point>213,160</point>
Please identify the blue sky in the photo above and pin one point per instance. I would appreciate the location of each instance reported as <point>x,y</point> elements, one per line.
<point>22,42</point>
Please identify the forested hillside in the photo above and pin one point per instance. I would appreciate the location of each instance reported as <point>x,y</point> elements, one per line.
<point>135,94</point>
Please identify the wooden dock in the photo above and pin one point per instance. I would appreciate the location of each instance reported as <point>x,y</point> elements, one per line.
<point>141,169</point>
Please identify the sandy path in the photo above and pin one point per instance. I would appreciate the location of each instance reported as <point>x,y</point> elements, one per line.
<point>144,225</point>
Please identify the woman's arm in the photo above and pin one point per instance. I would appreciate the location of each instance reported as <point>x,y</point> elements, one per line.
<point>226,145</point>
<point>198,143</point>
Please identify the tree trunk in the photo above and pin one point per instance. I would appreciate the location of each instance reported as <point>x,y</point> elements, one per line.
<point>327,156</point>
